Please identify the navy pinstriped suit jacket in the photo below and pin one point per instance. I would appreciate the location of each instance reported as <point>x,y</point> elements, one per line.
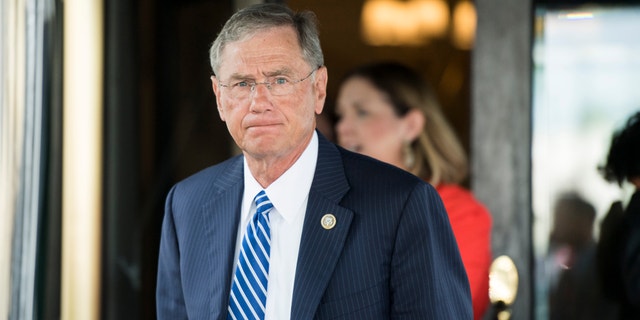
<point>392,253</point>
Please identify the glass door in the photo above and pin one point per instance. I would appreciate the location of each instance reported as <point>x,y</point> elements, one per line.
<point>586,83</point>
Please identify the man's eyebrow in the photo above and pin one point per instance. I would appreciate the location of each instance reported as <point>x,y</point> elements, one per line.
<point>278,72</point>
<point>240,76</point>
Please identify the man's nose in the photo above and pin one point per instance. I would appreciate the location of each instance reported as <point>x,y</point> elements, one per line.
<point>256,88</point>
<point>260,97</point>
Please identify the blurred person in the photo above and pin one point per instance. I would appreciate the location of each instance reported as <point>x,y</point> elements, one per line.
<point>574,291</point>
<point>323,238</point>
<point>572,232</point>
<point>387,111</point>
<point>619,244</point>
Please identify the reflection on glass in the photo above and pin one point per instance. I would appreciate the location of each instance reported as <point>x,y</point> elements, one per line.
<point>585,85</point>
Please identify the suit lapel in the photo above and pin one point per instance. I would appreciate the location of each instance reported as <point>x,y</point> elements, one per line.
<point>320,248</point>
<point>220,218</point>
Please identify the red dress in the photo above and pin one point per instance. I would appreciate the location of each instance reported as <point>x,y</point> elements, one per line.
<point>471,224</point>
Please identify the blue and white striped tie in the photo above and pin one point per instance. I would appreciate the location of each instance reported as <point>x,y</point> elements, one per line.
<point>249,290</point>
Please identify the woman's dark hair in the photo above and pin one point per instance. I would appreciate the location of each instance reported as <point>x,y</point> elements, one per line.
<point>623,160</point>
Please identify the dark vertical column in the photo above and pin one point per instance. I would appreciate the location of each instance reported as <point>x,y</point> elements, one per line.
<point>49,239</point>
<point>122,241</point>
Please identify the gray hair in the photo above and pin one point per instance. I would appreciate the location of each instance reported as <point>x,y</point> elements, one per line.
<point>255,18</point>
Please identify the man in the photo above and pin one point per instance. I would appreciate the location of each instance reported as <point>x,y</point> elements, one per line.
<point>331,234</point>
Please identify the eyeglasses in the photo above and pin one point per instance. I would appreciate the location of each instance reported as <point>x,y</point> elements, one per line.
<point>278,86</point>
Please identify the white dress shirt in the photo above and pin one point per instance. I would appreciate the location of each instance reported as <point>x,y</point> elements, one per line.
<point>289,195</point>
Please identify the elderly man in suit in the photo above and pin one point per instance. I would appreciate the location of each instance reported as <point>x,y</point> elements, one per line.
<point>330,235</point>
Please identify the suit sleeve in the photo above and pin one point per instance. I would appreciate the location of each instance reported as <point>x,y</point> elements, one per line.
<point>169,298</point>
<point>428,280</point>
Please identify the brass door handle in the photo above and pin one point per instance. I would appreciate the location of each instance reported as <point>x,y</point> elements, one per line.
<point>503,286</point>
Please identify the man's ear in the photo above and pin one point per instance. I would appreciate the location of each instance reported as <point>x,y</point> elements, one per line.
<point>414,124</point>
<point>216,91</point>
<point>320,84</point>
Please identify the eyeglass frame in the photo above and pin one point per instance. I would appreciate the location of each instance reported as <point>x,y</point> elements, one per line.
<point>254,84</point>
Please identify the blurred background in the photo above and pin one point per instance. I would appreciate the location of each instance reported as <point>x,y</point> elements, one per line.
<point>104,105</point>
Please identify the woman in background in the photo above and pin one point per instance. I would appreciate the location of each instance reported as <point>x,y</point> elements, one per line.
<point>387,111</point>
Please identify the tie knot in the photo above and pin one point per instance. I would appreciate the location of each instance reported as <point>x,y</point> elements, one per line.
<point>263,204</point>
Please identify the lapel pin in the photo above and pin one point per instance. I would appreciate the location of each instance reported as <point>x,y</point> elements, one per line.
<point>328,221</point>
